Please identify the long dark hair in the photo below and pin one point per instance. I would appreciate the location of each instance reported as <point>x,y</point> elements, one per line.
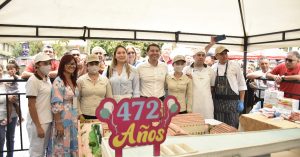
<point>65,60</point>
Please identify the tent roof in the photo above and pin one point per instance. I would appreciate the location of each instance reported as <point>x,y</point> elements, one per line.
<point>129,18</point>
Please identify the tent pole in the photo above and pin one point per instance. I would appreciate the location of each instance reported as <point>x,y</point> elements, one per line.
<point>245,38</point>
<point>4,4</point>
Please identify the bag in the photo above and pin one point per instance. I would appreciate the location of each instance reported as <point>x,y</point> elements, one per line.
<point>250,97</point>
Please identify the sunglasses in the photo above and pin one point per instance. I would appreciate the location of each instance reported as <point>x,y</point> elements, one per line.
<point>289,60</point>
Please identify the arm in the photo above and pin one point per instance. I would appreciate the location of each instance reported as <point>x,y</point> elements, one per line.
<point>136,84</point>
<point>34,116</point>
<point>292,77</point>
<point>108,90</point>
<point>28,71</point>
<point>26,74</point>
<point>242,95</point>
<point>57,93</point>
<point>189,96</point>
<point>254,75</point>
<point>212,42</point>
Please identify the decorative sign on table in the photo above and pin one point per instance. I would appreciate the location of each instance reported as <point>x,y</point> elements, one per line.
<point>137,121</point>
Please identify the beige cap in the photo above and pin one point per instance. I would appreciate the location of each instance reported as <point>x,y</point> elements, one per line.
<point>220,49</point>
<point>178,58</point>
<point>41,57</point>
<point>98,49</point>
<point>195,51</point>
<point>92,58</point>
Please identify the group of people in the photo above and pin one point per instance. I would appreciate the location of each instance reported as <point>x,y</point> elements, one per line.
<point>77,88</point>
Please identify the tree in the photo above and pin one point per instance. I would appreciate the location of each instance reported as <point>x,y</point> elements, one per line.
<point>109,45</point>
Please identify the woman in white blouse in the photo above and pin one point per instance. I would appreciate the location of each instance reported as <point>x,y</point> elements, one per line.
<point>123,77</point>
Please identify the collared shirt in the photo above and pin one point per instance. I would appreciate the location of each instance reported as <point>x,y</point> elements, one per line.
<point>41,89</point>
<point>152,79</point>
<point>234,75</point>
<point>122,85</point>
<point>261,84</point>
<point>182,89</point>
<point>90,94</point>
<point>288,87</point>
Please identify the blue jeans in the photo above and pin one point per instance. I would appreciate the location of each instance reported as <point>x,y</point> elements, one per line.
<point>8,132</point>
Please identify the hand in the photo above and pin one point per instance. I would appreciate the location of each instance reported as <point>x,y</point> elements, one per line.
<point>240,106</point>
<point>212,40</point>
<point>12,98</point>
<point>81,118</point>
<point>59,129</point>
<point>52,74</point>
<point>277,78</point>
<point>40,132</point>
<point>20,121</point>
<point>190,76</point>
<point>253,85</point>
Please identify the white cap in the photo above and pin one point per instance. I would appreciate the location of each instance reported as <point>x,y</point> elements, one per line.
<point>98,49</point>
<point>41,57</point>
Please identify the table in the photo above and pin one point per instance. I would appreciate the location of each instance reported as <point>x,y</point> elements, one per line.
<point>230,144</point>
<point>256,122</point>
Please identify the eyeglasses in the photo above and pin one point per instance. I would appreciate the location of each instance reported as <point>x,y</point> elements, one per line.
<point>93,63</point>
<point>130,53</point>
<point>71,64</point>
<point>289,60</point>
<point>75,55</point>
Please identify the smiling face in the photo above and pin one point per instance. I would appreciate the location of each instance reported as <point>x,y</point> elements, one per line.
<point>153,53</point>
<point>70,67</point>
<point>121,55</point>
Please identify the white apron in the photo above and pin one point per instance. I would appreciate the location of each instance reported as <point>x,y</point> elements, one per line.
<point>202,98</point>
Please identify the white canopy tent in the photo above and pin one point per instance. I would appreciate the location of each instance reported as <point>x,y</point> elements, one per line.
<point>249,24</point>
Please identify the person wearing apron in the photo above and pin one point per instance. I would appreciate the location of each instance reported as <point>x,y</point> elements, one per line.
<point>122,76</point>
<point>203,79</point>
<point>229,90</point>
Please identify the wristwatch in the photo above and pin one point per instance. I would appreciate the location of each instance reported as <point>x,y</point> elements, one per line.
<point>283,78</point>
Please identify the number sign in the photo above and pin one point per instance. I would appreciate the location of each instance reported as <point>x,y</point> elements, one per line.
<point>137,121</point>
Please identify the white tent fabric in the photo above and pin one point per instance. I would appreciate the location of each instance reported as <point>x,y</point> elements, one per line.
<point>189,16</point>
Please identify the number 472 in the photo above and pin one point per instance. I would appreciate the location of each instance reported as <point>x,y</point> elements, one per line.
<point>124,110</point>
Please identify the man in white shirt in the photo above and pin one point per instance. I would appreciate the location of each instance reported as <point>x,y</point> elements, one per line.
<point>229,90</point>
<point>152,74</point>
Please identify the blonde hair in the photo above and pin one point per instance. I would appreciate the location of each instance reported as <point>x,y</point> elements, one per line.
<point>114,63</point>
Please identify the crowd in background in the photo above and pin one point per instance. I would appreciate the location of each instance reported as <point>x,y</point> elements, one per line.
<point>61,92</point>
